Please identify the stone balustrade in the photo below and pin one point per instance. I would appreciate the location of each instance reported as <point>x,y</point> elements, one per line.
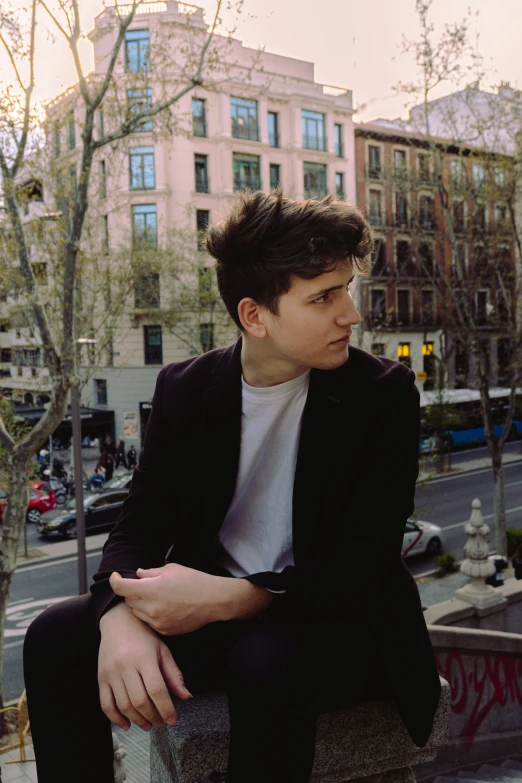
<point>355,742</point>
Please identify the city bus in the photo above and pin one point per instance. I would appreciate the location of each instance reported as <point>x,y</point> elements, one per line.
<point>465,424</point>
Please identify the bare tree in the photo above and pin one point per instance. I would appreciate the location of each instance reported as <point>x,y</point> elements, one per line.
<point>21,136</point>
<point>472,138</point>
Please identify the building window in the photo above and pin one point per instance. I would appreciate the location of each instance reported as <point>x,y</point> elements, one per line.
<point>403,258</point>
<point>314,180</point>
<point>461,366</point>
<point>73,180</point>
<point>427,307</point>
<point>428,365</point>
<point>479,217</point>
<point>247,172</point>
<point>144,225</point>
<point>460,258</point>
<point>426,215</point>
<point>380,266</point>
<point>339,185</point>
<point>105,233</point>
<point>481,308</point>
<point>72,131</point>
<point>426,260</point>
<point>478,172</point>
<point>273,128</point>
<point>423,165</point>
<point>378,298</point>
<point>399,162</point>
<point>275,176</point>
<point>57,140</point>
<point>201,173</point>
<point>5,356</point>
<point>338,140</point>
<point>244,119</point>
<point>141,168</point>
<point>202,221</point>
<point>457,173</point>
<point>403,354</point>
<point>103,180</point>
<point>100,387</point>
<point>153,344</point>
<point>137,50</point>
<point>501,218</point>
<point>504,361</point>
<point>313,127</point>
<point>199,117</point>
<point>403,307</point>
<point>401,211</point>
<point>374,162</point>
<point>147,292</point>
<point>138,102</point>
<point>375,208</point>
<point>206,336</point>
<point>378,349</point>
<point>459,216</point>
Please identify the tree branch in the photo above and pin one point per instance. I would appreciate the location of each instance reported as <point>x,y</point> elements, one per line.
<point>7,440</point>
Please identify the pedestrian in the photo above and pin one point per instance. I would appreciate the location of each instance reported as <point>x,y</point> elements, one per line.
<point>120,453</point>
<point>250,590</point>
<point>109,446</point>
<point>132,457</point>
<point>516,562</point>
<point>106,462</point>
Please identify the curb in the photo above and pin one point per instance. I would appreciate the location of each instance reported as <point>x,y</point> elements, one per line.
<point>464,472</point>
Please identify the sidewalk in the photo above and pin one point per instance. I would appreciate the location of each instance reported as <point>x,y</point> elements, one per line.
<point>469,466</point>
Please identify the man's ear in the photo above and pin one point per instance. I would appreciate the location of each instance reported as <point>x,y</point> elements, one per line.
<point>252,317</point>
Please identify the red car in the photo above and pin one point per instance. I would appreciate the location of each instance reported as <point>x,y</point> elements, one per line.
<point>41,499</point>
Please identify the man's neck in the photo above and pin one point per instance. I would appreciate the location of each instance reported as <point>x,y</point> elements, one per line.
<point>261,370</point>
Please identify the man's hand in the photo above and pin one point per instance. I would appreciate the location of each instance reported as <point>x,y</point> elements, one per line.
<point>172,599</point>
<point>134,669</point>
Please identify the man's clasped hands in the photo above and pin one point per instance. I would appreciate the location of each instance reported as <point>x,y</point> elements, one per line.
<point>135,667</point>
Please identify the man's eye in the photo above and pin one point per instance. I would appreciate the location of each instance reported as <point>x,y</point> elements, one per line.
<point>324,297</point>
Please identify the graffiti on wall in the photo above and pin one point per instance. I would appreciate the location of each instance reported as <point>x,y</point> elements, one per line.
<point>480,684</point>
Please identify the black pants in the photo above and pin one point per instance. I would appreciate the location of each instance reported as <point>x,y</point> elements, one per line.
<point>278,671</point>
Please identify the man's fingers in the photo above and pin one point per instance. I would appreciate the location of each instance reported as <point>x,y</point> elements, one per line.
<point>141,615</point>
<point>157,689</point>
<point>127,587</point>
<point>172,673</point>
<point>109,707</point>
<point>141,699</point>
<point>126,706</point>
<point>147,573</point>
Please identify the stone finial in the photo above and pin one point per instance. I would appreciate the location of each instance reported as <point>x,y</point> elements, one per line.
<point>120,772</point>
<point>476,565</point>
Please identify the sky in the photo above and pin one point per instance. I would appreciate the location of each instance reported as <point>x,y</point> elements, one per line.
<point>353,43</point>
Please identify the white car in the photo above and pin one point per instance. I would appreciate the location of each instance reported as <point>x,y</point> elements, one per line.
<point>422,538</point>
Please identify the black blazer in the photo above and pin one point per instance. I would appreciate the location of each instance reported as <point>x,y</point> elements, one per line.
<point>353,491</point>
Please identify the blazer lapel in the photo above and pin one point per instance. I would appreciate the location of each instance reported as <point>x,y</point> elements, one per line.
<point>220,441</point>
<point>334,427</point>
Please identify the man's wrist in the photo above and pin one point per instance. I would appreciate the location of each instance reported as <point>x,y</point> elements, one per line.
<point>239,599</point>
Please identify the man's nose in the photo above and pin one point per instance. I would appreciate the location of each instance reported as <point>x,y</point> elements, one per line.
<point>350,314</point>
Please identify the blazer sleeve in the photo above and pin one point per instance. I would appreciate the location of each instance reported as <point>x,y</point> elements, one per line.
<point>144,531</point>
<point>371,535</point>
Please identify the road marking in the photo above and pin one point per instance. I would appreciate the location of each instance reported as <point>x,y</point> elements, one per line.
<point>513,484</point>
<point>486,516</point>
<point>21,601</point>
<point>55,561</point>
<point>467,473</point>
<point>21,616</point>
<point>13,644</point>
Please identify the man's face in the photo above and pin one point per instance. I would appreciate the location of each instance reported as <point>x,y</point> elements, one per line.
<point>313,316</point>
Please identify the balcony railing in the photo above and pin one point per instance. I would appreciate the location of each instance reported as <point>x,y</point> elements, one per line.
<point>375,172</point>
<point>395,321</point>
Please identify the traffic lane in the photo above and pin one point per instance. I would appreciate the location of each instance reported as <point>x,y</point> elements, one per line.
<point>34,588</point>
<point>448,500</point>
<point>458,457</point>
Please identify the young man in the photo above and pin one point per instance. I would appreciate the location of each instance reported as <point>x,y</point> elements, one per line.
<point>262,555</point>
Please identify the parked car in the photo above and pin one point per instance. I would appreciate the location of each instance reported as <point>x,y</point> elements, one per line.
<point>422,538</point>
<point>102,510</point>
<point>41,500</point>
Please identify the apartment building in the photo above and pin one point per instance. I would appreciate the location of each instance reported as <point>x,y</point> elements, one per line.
<point>266,124</point>
<point>398,184</point>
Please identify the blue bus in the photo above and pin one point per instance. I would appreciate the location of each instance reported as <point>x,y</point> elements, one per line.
<point>466,426</point>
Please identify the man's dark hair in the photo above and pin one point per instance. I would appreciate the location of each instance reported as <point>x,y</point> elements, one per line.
<point>266,240</point>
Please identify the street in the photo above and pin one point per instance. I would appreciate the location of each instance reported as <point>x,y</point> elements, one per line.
<point>445,501</point>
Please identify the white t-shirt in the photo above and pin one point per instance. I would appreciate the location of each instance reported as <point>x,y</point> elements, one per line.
<point>257,531</point>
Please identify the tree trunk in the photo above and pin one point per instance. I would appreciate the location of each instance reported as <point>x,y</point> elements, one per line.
<point>14,520</point>
<point>500,505</point>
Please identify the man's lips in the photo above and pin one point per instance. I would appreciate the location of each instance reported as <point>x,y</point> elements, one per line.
<point>344,339</point>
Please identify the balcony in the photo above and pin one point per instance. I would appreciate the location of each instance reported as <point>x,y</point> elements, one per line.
<point>402,321</point>
<point>376,219</point>
<point>402,222</point>
<point>375,172</point>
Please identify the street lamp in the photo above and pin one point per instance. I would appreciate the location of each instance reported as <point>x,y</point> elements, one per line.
<point>78,477</point>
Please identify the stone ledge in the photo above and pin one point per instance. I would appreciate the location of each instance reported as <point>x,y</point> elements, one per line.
<point>352,743</point>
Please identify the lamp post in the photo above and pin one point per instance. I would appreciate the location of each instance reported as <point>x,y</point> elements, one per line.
<point>78,478</point>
